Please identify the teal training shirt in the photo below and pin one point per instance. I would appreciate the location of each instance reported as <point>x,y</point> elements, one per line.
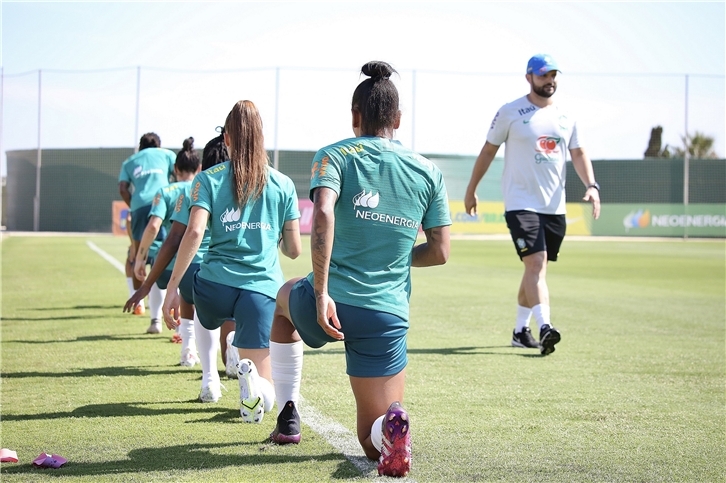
<point>181,215</point>
<point>385,194</point>
<point>163,207</point>
<point>243,249</point>
<point>147,171</point>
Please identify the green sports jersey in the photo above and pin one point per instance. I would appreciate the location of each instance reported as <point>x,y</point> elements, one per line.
<point>386,193</point>
<point>147,171</point>
<point>163,207</point>
<point>243,249</point>
<point>181,215</point>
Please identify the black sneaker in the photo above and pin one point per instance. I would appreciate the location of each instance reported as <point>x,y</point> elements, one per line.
<point>524,339</point>
<point>548,337</point>
<point>287,429</point>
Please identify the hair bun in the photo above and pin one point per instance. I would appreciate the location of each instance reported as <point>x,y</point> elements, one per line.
<point>188,144</point>
<point>377,70</point>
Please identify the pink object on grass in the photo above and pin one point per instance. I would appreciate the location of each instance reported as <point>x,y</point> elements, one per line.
<point>8,456</point>
<point>49,461</point>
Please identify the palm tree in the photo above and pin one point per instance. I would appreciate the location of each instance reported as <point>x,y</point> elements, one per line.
<point>699,146</point>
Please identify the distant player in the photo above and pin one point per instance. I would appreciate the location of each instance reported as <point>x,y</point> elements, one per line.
<point>252,213</point>
<point>371,196</point>
<point>186,166</point>
<point>538,136</point>
<point>207,341</point>
<point>141,176</point>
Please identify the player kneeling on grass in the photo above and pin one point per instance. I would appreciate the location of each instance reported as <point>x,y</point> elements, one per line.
<point>370,197</point>
<point>251,209</point>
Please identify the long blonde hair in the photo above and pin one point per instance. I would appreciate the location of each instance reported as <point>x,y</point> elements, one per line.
<point>248,158</point>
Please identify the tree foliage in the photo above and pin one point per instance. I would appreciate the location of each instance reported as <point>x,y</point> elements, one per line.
<point>699,145</point>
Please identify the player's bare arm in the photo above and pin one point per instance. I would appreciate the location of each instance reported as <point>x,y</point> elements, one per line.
<point>435,251</point>
<point>483,161</point>
<point>583,167</point>
<point>321,244</point>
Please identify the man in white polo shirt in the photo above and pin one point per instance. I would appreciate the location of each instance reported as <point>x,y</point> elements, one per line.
<point>538,135</point>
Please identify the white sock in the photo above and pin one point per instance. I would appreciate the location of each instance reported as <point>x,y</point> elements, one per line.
<point>541,314</point>
<point>377,432</point>
<point>207,345</point>
<point>186,331</point>
<point>268,393</point>
<point>286,361</point>
<point>156,301</point>
<point>523,315</point>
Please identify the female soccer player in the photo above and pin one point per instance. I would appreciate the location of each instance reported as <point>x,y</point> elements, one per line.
<point>371,196</point>
<point>250,209</point>
<point>215,152</point>
<point>186,167</point>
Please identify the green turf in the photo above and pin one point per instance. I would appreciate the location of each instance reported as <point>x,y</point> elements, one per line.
<point>636,391</point>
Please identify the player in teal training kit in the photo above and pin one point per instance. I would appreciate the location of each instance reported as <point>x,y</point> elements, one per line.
<point>190,330</point>
<point>371,197</point>
<point>141,176</point>
<point>187,166</point>
<point>251,209</point>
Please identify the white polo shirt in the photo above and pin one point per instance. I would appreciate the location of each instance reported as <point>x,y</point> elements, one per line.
<point>537,141</point>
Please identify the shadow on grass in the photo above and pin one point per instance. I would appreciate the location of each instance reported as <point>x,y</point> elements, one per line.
<point>111,410</point>
<point>505,350</point>
<point>102,371</point>
<point>60,317</point>
<point>192,458</point>
<point>91,338</point>
<point>75,307</point>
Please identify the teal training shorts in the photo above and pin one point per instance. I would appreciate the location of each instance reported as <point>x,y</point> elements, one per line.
<point>251,311</point>
<point>375,342</point>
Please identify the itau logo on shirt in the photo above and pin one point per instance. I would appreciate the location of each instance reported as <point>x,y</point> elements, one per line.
<point>366,200</point>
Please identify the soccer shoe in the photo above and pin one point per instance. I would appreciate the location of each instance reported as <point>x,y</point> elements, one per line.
<point>395,457</point>
<point>176,338</point>
<point>287,429</point>
<point>251,403</point>
<point>548,337</point>
<point>139,310</point>
<point>211,393</point>
<point>189,358</point>
<point>524,339</point>
<point>231,357</point>
<point>154,327</point>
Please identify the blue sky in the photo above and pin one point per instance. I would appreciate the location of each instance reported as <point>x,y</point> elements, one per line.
<point>624,67</point>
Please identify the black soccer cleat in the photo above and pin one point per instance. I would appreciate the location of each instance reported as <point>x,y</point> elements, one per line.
<point>287,429</point>
<point>548,337</point>
<point>524,339</point>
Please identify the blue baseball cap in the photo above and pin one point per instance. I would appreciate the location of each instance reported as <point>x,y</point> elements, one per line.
<point>540,64</point>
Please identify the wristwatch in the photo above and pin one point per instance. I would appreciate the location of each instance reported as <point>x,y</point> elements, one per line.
<point>593,185</point>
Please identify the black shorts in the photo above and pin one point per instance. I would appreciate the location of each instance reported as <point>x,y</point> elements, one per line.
<point>534,232</point>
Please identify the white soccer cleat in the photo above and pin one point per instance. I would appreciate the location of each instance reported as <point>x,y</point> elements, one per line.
<point>251,402</point>
<point>211,393</point>
<point>231,357</point>
<point>154,327</point>
<point>189,358</point>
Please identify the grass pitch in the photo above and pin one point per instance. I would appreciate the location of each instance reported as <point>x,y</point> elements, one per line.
<point>635,391</point>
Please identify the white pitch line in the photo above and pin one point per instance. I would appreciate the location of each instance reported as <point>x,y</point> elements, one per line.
<point>333,432</point>
<point>338,436</point>
<point>120,266</point>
